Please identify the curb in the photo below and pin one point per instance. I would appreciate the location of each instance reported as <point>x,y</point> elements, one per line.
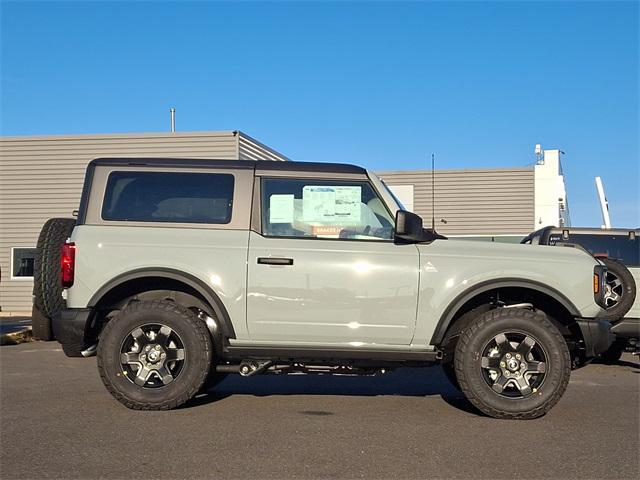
<point>14,338</point>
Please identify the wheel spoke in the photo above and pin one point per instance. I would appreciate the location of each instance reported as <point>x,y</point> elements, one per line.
<point>525,346</point>
<point>129,358</point>
<point>165,375</point>
<point>142,376</point>
<point>491,362</point>
<point>615,282</point>
<point>174,354</point>
<point>523,386</point>
<point>162,337</point>
<point>502,343</point>
<point>536,367</point>
<point>140,337</point>
<point>500,383</point>
<point>613,296</point>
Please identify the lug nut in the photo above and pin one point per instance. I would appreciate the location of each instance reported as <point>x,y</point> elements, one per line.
<point>157,347</point>
<point>506,374</point>
<point>163,355</point>
<point>522,365</point>
<point>518,356</point>
<point>143,357</point>
<point>502,364</point>
<point>147,348</point>
<point>508,355</point>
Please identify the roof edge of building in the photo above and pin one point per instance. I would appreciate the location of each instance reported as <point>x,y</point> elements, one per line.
<point>72,136</point>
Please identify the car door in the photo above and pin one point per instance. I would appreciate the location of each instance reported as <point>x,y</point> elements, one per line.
<point>323,267</point>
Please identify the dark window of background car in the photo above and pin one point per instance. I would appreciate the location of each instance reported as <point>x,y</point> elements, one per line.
<point>620,247</point>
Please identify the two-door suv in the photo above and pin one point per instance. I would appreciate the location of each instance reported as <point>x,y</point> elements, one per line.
<point>182,271</point>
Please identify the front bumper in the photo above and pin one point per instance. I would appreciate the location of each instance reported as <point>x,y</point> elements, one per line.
<point>73,327</point>
<point>597,335</point>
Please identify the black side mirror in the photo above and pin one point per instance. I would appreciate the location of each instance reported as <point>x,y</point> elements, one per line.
<point>409,229</point>
<point>408,226</point>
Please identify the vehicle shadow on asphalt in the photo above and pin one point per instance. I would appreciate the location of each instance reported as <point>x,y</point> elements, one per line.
<point>620,363</point>
<point>407,382</point>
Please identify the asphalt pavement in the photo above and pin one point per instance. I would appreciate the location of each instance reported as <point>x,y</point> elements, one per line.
<point>58,421</point>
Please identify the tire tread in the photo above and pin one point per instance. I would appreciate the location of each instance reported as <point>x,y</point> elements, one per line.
<point>187,316</point>
<point>472,330</point>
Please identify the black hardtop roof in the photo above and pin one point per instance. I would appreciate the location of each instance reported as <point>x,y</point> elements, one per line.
<point>240,164</point>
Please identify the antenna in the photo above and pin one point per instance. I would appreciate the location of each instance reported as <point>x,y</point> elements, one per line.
<point>604,205</point>
<point>173,119</point>
<point>433,192</point>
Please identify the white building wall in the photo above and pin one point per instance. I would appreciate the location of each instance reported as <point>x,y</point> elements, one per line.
<point>551,207</point>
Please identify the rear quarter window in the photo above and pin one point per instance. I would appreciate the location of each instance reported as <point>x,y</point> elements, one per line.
<point>176,197</point>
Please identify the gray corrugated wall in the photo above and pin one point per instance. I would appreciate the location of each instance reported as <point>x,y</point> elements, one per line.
<point>475,201</point>
<point>41,178</point>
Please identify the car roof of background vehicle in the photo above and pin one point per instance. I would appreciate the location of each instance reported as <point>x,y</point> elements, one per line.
<point>544,232</point>
<point>239,164</point>
<point>595,230</point>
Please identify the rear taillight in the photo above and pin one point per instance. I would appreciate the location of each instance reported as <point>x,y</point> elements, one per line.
<point>68,264</point>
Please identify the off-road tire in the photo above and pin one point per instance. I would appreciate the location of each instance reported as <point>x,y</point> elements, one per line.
<point>469,352</point>
<point>41,325</point>
<point>197,362</point>
<point>47,287</point>
<point>620,309</point>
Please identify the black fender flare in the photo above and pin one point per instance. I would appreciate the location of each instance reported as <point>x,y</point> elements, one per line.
<point>198,285</point>
<point>464,297</point>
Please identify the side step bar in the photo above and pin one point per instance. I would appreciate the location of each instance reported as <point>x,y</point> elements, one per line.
<point>298,353</point>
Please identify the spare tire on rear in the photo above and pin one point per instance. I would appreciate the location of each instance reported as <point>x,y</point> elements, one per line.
<point>47,287</point>
<point>620,289</point>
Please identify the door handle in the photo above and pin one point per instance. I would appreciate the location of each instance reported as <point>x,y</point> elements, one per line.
<point>275,261</point>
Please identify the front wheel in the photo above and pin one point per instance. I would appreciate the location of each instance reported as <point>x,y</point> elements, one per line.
<point>512,363</point>
<point>154,355</point>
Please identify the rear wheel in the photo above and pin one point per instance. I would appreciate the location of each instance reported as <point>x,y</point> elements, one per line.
<point>512,363</point>
<point>154,355</point>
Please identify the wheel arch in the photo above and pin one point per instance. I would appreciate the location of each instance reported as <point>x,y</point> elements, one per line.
<point>475,296</point>
<point>160,279</point>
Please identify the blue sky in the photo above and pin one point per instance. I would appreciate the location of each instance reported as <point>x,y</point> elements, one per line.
<point>378,84</point>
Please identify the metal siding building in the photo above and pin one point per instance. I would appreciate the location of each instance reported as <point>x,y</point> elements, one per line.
<point>472,202</point>
<point>41,178</point>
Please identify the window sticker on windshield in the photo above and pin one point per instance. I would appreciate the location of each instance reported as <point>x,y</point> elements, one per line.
<point>281,209</point>
<point>331,203</point>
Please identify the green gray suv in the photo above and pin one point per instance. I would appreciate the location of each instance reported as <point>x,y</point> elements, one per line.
<point>180,272</point>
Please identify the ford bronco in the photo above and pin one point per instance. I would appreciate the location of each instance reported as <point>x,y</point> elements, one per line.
<point>179,272</point>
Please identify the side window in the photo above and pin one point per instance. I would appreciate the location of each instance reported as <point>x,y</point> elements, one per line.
<point>323,209</point>
<point>22,262</point>
<point>168,197</point>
